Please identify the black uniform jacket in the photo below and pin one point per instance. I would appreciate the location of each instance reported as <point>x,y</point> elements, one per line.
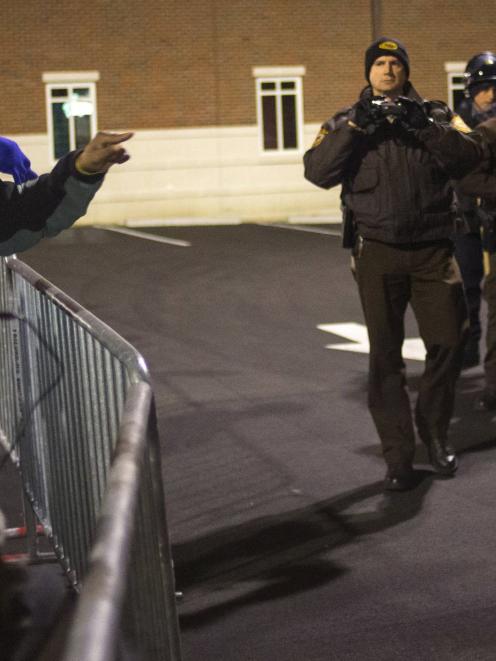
<point>395,182</point>
<point>44,206</point>
<point>481,182</point>
<point>474,210</point>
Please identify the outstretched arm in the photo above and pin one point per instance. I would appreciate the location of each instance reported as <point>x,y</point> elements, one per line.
<point>54,201</point>
<point>102,152</point>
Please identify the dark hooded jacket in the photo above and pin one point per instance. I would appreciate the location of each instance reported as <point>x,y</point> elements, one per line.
<point>44,206</point>
<point>395,182</point>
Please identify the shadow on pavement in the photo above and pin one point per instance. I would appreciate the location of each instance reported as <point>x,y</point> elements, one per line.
<point>275,556</point>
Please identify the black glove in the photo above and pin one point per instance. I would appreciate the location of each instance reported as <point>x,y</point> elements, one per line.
<point>414,114</point>
<point>367,115</point>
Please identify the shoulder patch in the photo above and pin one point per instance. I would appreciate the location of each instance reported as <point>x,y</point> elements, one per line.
<point>320,136</point>
<point>458,124</point>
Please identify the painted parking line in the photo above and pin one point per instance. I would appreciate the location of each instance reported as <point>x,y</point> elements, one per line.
<point>183,221</point>
<point>299,228</point>
<point>149,237</point>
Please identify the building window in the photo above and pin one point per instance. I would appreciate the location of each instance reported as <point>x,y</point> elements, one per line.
<point>456,83</point>
<point>279,108</point>
<point>71,110</point>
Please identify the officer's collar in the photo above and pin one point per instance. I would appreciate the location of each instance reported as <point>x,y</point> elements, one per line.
<point>409,91</point>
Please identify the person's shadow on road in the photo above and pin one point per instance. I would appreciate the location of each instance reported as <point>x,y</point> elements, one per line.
<point>275,556</point>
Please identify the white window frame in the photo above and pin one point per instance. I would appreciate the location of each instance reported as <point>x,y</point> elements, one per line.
<point>280,75</point>
<point>454,70</point>
<point>69,80</point>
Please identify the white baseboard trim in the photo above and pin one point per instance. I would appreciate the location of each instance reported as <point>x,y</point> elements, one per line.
<point>334,219</point>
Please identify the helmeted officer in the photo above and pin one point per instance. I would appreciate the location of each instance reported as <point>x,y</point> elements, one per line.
<point>477,106</point>
<point>394,155</point>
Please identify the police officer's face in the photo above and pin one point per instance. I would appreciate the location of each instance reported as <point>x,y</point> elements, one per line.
<point>387,76</point>
<point>485,98</point>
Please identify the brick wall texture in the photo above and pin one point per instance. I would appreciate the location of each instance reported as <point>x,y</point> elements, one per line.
<point>171,64</point>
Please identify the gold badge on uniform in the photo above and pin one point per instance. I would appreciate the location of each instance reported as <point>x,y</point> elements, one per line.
<point>320,136</point>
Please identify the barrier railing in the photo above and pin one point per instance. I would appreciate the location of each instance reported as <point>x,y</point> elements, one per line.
<point>77,415</point>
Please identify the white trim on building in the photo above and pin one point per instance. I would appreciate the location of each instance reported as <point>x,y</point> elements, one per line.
<point>71,94</point>
<point>456,82</point>
<point>70,77</point>
<point>279,97</point>
<point>280,72</point>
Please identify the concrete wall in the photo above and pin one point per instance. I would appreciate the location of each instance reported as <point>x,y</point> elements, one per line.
<point>207,172</point>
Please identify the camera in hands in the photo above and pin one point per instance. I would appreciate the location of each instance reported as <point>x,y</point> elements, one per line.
<point>372,113</point>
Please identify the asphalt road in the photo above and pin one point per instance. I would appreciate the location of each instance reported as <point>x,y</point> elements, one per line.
<point>285,547</point>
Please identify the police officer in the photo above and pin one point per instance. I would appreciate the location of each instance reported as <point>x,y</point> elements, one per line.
<point>481,184</point>
<point>394,155</point>
<point>477,106</point>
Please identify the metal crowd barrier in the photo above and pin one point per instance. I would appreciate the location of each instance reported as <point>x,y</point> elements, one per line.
<point>78,417</point>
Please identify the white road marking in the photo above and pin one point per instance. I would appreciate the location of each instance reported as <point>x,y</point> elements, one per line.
<point>145,235</point>
<point>413,348</point>
<point>183,221</point>
<point>297,228</point>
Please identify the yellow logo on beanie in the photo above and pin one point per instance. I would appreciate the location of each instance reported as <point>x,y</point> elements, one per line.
<point>388,45</point>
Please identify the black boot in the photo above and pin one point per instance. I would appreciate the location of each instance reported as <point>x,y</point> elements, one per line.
<point>442,456</point>
<point>399,478</point>
<point>486,401</point>
<point>471,355</point>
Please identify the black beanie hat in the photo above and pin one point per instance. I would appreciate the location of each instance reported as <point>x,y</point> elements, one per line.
<point>386,46</point>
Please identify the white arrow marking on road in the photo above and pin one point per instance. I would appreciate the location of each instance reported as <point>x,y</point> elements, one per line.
<point>413,348</point>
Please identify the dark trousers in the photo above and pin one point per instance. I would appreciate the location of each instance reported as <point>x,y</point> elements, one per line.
<point>468,253</point>
<point>427,277</point>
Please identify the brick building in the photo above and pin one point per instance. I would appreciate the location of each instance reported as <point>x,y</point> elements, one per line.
<point>224,95</point>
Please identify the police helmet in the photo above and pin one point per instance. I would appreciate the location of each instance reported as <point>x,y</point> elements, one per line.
<point>480,70</point>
